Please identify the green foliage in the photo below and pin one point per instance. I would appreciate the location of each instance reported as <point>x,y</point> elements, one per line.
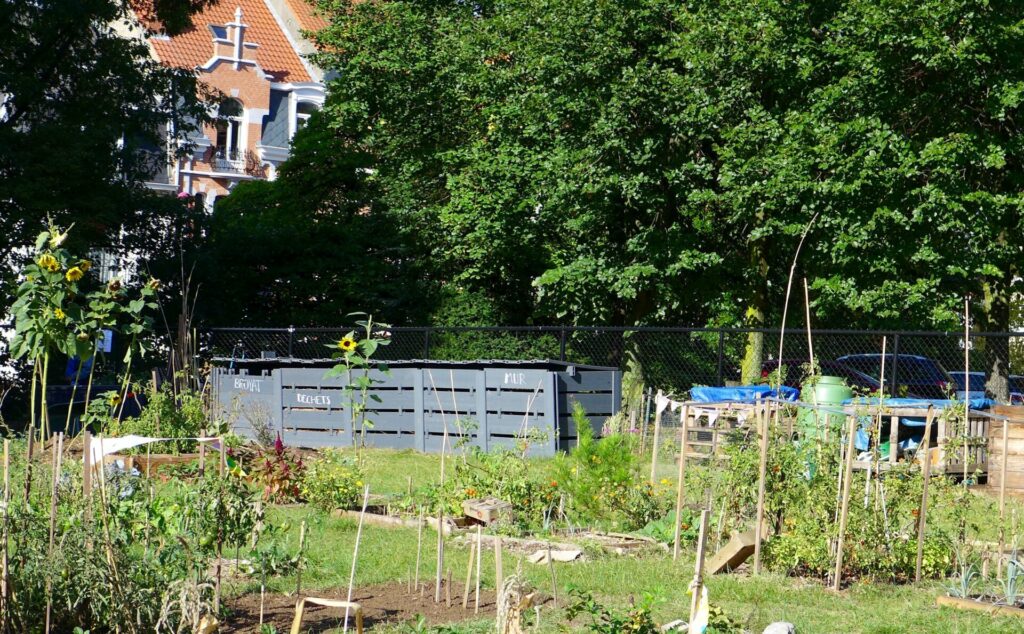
<point>601,481</point>
<point>332,481</point>
<point>664,529</point>
<point>166,415</point>
<point>602,620</point>
<point>85,109</point>
<point>659,161</point>
<point>358,369</point>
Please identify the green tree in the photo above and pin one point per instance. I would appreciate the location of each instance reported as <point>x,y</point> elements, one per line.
<point>79,103</point>
<point>309,246</point>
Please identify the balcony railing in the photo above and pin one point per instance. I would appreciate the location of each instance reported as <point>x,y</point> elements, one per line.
<point>236,160</point>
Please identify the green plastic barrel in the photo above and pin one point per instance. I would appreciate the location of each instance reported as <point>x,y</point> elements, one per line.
<point>827,390</point>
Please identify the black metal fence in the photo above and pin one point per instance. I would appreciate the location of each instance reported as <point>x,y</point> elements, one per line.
<point>673,358</point>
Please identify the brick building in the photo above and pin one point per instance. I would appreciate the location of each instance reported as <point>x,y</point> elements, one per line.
<point>252,52</point>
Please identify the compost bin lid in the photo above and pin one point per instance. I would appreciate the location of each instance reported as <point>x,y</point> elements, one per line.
<point>478,364</point>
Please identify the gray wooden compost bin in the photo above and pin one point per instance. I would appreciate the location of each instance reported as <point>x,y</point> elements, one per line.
<point>489,403</point>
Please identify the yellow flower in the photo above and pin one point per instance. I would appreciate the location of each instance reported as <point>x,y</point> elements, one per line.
<point>49,262</point>
<point>153,284</point>
<point>74,274</point>
<point>85,265</point>
<point>115,399</point>
<point>58,313</point>
<point>665,481</point>
<point>347,344</point>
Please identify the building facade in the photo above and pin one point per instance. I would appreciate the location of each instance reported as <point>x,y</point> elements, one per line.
<point>252,53</point>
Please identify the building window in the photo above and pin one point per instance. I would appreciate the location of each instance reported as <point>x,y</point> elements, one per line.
<point>303,111</point>
<point>229,123</point>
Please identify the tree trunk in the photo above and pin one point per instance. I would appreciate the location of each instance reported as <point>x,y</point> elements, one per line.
<point>753,355</point>
<point>995,317</point>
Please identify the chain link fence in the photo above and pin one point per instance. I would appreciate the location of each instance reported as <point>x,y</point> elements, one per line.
<point>675,359</point>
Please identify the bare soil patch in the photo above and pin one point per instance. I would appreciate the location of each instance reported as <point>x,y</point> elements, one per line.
<point>390,603</point>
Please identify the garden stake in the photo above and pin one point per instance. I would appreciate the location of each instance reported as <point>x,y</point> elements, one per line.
<point>807,317</point>
<point>58,450</point>
<point>355,553</point>
<point>28,464</point>
<point>554,581</point>
<point>223,457</point>
<point>845,508</point>
<point>789,289</point>
<point>440,554</point>
<point>679,484</point>
<point>298,562</point>
<point>657,433</point>
<point>499,574</point>
<point>647,417</point>
<point>202,453</point>
<point>763,424</point>
<point>1002,498</point>
<point>698,569</point>
<point>419,548</point>
<point>448,589</point>
<point>479,556</point>
<point>440,512</point>
<point>469,576</point>
<point>878,424</point>
<point>409,487</point>
<point>408,583</point>
<point>967,378</point>
<point>926,471</point>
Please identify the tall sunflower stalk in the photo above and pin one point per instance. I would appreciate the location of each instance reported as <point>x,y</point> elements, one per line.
<point>355,351</point>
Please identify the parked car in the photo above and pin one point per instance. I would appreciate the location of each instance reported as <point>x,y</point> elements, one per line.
<point>977,384</point>
<point>916,376</point>
<point>1016,389</point>
<point>795,373</point>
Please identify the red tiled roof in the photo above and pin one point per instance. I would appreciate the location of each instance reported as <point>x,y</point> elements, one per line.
<point>306,14</point>
<point>194,46</point>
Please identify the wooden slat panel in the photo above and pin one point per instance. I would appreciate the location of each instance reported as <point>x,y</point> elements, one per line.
<point>462,403</point>
<point>594,404</point>
<point>516,402</point>
<point>585,381</point>
<point>463,380</point>
<point>515,379</point>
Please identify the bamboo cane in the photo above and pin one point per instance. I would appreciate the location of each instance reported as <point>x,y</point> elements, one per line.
<point>355,553</point>
<point>554,579</point>
<point>298,561</point>
<point>58,450</point>
<point>499,572</point>
<point>479,557</point>
<point>845,505</point>
<point>680,489</point>
<point>469,576</point>
<point>5,572</point>
<point>763,425</point>
<point>419,550</point>
<point>698,573</point>
<point>657,434</point>
<point>926,471</point>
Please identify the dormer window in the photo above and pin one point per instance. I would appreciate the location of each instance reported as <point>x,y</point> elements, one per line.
<point>229,124</point>
<point>303,111</point>
<point>220,33</point>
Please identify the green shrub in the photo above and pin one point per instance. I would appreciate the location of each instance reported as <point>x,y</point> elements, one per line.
<point>332,481</point>
<point>164,416</point>
<point>601,480</point>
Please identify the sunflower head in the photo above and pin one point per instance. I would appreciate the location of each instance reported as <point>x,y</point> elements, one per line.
<point>115,398</point>
<point>347,344</point>
<point>49,262</point>
<point>74,274</point>
<point>153,284</point>
<point>85,265</point>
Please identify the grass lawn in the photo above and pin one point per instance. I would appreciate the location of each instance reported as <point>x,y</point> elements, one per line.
<point>389,554</point>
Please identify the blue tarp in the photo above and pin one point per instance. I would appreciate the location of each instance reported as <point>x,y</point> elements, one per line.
<point>741,394</point>
<point>861,441</point>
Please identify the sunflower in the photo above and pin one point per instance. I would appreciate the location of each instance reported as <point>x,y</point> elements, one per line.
<point>85,265</point>
<point>74,274</point>
<point>49,262</point>
<point>153,284</point>
<point>58,313</point>
<point>347,344</point>
<point>115,398</point>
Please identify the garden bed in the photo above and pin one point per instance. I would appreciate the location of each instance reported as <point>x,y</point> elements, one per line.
<point>382,604</point>
<point>979,605</point>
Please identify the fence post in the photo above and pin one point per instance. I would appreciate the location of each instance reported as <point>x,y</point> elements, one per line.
<point>291,341</point>
<point>721,357</point>
<point>561,344</point>
<point>426,343</point>
<point>895,362</point>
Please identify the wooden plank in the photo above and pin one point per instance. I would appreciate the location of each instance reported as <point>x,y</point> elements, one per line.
<point>483,429</point>
<point>314,419</point>
<point>594,404</point>
<point>586,381</point>
<point>462,403</point>
<point>514,379</point>
<point>418,396</point>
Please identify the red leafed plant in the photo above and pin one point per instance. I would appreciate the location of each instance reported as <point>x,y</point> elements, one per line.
<point>279,471</point>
